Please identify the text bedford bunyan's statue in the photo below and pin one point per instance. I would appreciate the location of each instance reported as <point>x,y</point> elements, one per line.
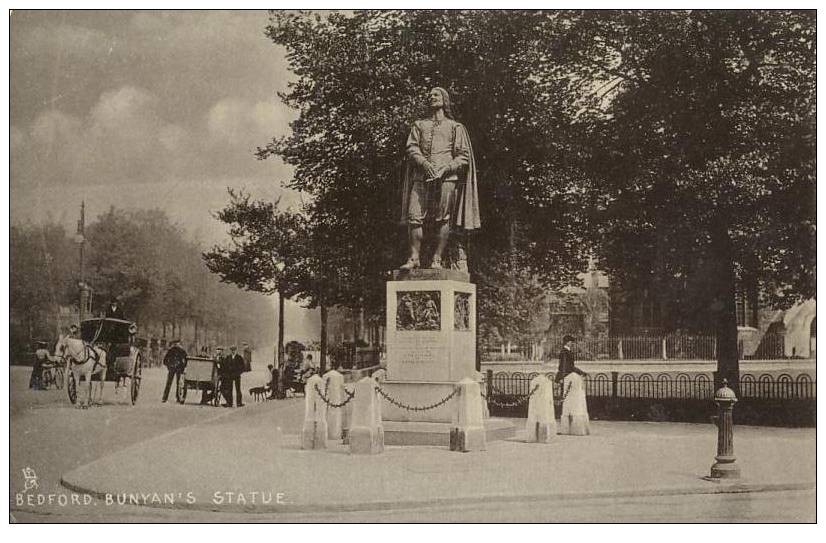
<point>439,183</point>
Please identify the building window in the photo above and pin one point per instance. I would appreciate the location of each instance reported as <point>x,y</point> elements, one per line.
<point>746,305</point>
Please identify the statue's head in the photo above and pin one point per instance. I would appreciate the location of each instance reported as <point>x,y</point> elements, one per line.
<point>439,98</point>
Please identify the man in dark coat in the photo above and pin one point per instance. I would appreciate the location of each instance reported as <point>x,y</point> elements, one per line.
<point>175,362</point>
<point>234,368</point>
<point>566,359</point>
<point>113,310</point>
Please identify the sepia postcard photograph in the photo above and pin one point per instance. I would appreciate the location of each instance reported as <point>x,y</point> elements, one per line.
<point>412,266</point>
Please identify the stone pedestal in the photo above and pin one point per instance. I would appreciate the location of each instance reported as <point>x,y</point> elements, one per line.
<point>431,341</point>
<point>431,346</point>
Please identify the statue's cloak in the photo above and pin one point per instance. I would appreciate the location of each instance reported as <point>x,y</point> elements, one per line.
<point>466,214</point>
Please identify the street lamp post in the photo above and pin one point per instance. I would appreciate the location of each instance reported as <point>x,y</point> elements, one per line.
<point>80,239</point>
<point>725,465</point>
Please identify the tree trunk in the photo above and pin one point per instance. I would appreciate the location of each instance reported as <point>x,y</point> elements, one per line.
<point>323,355</point>
<point>280,329</point>
<point>728,360</point>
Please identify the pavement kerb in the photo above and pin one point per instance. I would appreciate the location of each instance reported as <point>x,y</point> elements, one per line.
<point>708,488</point>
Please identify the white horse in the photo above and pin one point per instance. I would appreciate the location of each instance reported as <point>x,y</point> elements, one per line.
<point>83,359</point>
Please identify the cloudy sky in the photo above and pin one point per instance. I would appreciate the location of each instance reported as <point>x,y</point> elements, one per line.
<point>143,109</point>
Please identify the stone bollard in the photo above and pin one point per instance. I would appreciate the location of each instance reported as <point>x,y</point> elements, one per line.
<point>380,375</point>
<point>366,433</point>
<point>725,466</point>
<point>334,385</point>
<point>480,378</point>
<point>314,431</point>
<point>468,430</point>
<point>541,425</point>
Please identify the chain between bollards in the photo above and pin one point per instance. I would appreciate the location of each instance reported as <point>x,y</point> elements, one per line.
<point>515,403</point>
<point>413,407</point>
<point>350,396</point>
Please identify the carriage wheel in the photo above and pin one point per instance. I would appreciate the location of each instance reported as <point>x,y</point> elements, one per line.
<point>71,388</point>
<point>180,390</point>
<point>136,378</point>
<point>58,378</point>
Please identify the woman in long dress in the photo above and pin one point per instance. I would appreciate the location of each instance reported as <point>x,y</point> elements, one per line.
<point>574,420</point>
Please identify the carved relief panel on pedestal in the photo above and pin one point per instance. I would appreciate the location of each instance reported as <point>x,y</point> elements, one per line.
<point>461,311</point>
<point>418,310</point>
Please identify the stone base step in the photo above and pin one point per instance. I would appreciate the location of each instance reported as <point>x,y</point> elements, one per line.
<point>438,433</point>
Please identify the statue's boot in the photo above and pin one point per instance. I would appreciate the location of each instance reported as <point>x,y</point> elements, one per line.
<point>410,264</point>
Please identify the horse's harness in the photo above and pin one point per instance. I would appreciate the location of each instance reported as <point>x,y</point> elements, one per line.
<point>89,351</point>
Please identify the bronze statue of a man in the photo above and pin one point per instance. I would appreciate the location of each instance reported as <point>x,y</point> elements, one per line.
<point>439,181</point>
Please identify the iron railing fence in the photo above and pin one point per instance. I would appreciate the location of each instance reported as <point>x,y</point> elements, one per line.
<point>662,386</point>
<point>762,399</point>
<point>657,347</point>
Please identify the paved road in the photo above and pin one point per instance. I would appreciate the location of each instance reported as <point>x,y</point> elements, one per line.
<point>52,437</point>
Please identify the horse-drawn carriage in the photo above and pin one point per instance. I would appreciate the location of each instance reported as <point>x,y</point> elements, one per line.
<point>200,373</point>
<point>106,351</point>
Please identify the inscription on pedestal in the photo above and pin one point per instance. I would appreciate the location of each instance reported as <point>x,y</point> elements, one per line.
<point>419,349</point>
<point>418,310</point>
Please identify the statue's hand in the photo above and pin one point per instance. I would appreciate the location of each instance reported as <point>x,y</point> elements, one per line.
<point>430,170</point>
<point>440,172</point>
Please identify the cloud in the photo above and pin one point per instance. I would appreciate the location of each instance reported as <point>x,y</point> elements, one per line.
<point>122,139</point>
<point>72,42</point>
<point>103,102</point>
<point>54,129</point>
<point>243,124</point>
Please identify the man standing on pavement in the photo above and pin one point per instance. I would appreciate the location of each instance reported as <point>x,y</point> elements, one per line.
<point>175,362</point>
<point>566,359</point>
<point>235,367</point>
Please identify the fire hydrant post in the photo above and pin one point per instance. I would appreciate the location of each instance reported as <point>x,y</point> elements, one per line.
<point>725,465</point>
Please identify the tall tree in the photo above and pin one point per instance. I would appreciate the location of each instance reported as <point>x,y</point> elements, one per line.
<point>361,80</point>
<point>264,252</point>
<point>699,130</point>
<point>42,276</point>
